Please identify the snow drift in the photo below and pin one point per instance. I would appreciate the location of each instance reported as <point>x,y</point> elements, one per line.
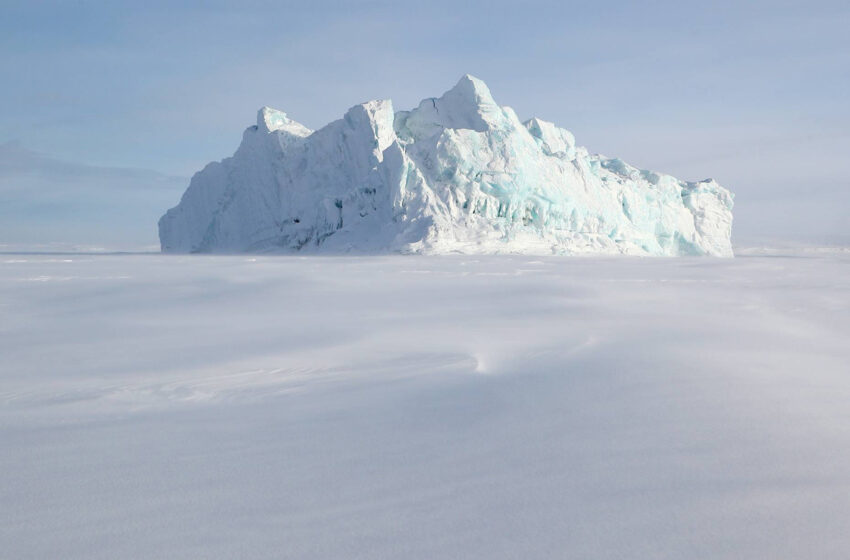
<point>459,173</point>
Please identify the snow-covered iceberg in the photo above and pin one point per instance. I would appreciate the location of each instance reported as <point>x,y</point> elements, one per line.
<point>459,173</point>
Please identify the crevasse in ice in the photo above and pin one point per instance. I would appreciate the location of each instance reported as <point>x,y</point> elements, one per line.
<point>459,173</point>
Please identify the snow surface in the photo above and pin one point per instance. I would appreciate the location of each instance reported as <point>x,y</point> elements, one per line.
<point>459,173</point>
<point>156,406</point>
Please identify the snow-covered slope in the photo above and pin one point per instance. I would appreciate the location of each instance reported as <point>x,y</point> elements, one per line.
<point>458,173</point>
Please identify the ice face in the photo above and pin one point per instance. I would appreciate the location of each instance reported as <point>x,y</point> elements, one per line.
<point>459,173</point>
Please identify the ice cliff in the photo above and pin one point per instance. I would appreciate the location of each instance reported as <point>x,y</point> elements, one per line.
<point>459,173</point>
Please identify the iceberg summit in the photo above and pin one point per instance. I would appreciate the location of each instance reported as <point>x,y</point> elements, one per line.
<point>457,174</point>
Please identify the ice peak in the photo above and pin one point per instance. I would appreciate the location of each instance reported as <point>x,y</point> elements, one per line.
<point>552,140</point>
<point>468,105</point>
<point>471,98</point>
<point>376,117</point>
<point>471,89</point>
<point>269,120</point>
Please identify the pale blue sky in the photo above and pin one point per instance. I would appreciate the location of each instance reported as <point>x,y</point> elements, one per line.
<point>754,94</point>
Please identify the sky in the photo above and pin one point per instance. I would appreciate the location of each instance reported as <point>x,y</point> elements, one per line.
<point>754,94</point>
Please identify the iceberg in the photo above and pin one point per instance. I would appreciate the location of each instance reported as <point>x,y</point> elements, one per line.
<point>457,174</point>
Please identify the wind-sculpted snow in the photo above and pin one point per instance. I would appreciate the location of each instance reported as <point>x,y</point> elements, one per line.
<point>383,407</point>
<point>458,173</point>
